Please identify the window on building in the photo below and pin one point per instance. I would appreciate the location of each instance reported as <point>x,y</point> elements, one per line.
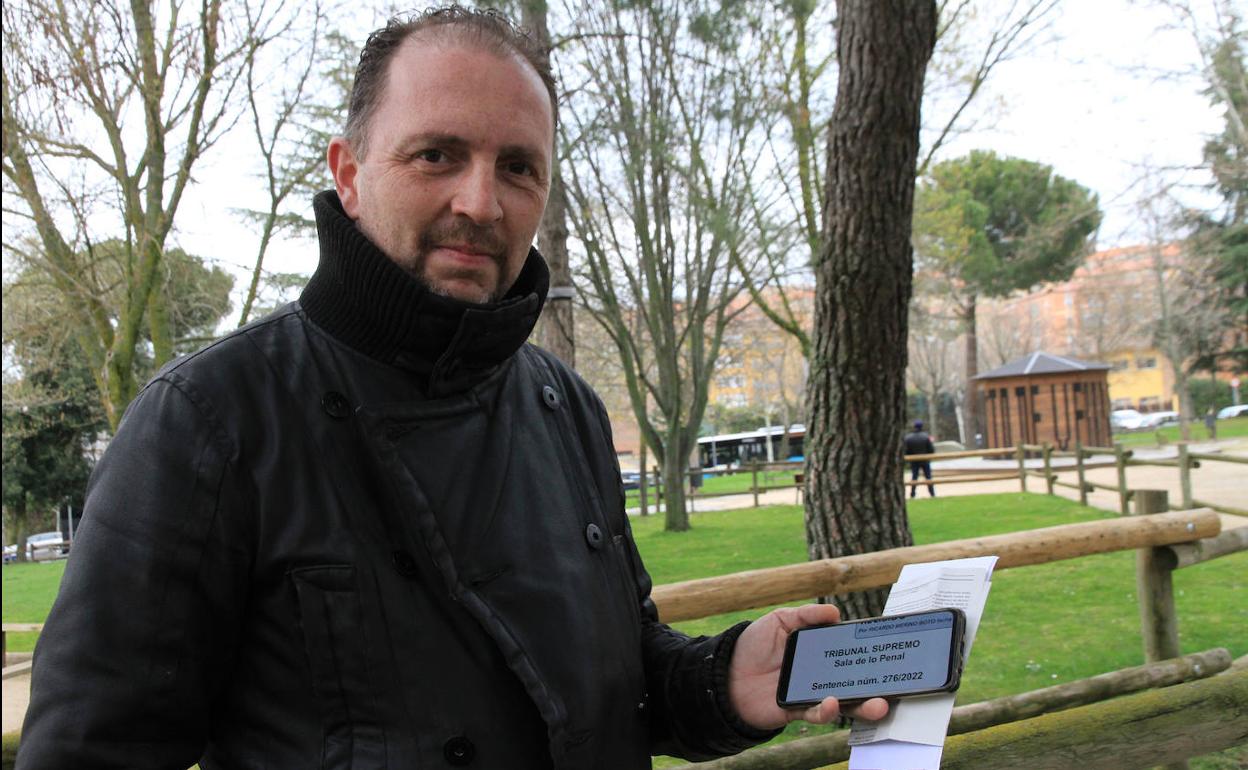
<point>1146,363</point>
<point>1119,365</point>
<point>1150,404</point>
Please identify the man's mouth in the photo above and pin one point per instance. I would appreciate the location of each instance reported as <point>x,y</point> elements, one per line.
<point>466,249</point>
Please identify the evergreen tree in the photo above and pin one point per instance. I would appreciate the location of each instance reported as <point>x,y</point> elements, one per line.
<point>993,225</point>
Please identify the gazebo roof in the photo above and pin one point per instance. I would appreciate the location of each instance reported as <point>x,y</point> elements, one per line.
<point>1040,363</point>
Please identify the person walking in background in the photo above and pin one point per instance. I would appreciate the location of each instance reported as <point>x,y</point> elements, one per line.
<point>1211,424</point>
<point>918,442</point>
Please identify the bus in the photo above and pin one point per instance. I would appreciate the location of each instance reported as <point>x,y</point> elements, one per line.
<point>729,450</point>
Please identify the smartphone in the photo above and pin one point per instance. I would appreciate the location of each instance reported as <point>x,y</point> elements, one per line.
<point>916,653</point>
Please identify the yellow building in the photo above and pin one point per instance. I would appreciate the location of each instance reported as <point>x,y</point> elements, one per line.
<point>1103,313</point>
<point>1141,379</point>
<point>760,365</point>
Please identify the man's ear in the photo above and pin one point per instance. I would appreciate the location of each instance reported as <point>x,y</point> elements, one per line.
<point>345,167</point>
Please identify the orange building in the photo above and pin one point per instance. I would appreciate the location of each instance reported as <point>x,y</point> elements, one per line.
<point>1105,312</point>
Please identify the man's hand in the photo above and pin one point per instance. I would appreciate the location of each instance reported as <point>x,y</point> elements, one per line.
<point>754,671</point>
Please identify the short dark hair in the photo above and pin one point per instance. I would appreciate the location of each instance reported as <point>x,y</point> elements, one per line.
<point>487,29</point>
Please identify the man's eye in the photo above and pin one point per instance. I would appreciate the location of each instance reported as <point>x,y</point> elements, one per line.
<point>431,156</point>
<point>519,168</point>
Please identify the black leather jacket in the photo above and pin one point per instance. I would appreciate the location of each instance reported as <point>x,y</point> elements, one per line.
<point>918,443</point>
<point>374,529</point>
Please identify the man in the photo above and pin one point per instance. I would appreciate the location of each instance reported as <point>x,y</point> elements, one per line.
<point>376,529</point>
<point>918,442</point>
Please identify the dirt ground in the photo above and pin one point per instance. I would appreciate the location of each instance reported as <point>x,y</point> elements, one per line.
<point>1220,483</point>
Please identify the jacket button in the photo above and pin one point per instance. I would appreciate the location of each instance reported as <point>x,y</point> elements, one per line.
<point>459,751</point>
<point>336,405</point>
<point>593,536</point>
<point>550,397</point>
<point>404,564</point>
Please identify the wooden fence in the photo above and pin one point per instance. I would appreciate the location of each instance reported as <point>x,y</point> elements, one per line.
<point>1117,457</point>
<point>1139,725</point>
<point>1123,459</point>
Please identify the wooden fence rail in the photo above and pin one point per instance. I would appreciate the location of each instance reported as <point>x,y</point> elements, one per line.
<point>1123,459</point>
<point>760,588</point>
<point>1162,543</point>
<point>1141,730</point>
<point>806,753</point>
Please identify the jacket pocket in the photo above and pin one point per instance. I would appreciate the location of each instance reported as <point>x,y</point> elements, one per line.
<point>332,620</point>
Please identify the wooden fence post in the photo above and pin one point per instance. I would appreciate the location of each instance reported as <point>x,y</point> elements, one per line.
<point>1154,586</point>
<point>1083,486</point>
<point>1185,476</point>
<point>754,469</point>
<point>643,492</point>
<point>1120,460</point>
<point>1022,468</point>
<point>1047,453</point>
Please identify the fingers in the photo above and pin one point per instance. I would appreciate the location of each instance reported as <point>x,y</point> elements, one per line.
<point>828,710</point>
<point>876,708</point>
<point>810,615</point>
<point>822,713</point>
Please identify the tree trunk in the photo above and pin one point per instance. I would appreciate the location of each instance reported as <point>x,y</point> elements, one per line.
<point>645,478</point>
<point>932,411</point>
<point>555,327</point>
<point>1183,386</point>
<point>21,527</point>
<point>675,516</point>
<point>556,330</point>
<point>970,401</point>
<point>857,395</point>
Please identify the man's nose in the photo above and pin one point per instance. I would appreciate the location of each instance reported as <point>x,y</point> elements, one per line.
<point>477,194</point>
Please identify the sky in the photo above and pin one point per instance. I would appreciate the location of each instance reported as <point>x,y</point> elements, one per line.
<point>1090,102</point>
<point>1099,104</point>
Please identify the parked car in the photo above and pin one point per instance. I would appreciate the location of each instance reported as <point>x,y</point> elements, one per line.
<point>1158,419</point>
<point>632,479</point>
<point>1239,410</point>
<point>10,553</point>
<point>45,545</point>
<point>1126,419</point>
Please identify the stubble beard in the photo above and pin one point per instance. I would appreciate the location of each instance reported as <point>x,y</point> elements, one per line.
<point>461,232</point>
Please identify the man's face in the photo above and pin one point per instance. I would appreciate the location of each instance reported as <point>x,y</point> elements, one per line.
<point>457,169</point>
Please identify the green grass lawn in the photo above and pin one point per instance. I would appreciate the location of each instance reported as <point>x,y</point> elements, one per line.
<point>717,484</point>
<point>28,593</point>
<point>1043,624</point>
<point>1233,428</point>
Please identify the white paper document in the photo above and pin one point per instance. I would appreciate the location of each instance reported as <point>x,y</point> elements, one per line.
<point>912,736</point>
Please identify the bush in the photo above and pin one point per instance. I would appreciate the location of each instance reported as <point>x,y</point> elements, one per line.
<point>1209,393</point>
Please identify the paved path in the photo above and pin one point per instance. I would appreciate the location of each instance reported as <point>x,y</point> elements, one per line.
<point>16,696</point>
<point>1214,482</point>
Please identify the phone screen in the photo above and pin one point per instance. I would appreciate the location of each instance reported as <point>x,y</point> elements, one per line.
<point>898,655</point>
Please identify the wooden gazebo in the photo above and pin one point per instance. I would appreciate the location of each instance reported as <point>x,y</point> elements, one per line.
<point>1046,398</point>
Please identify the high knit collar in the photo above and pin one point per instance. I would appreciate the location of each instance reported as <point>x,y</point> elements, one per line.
<point>361,297</point>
